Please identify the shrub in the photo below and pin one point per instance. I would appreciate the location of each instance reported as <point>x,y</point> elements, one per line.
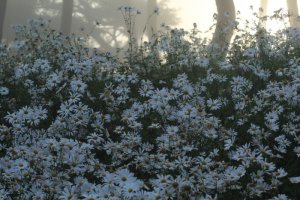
<point>171,121</point>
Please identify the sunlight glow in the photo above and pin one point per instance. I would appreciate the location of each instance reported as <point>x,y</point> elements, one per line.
<point>271,24</point>
<point>46,12</point>
<point>175,13</point>
<point>95,4</point>
<point>201,12</point>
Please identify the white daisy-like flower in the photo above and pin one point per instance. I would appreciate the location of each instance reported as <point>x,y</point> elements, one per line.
<point>69,193</point>
<point>4,194</point>
<point>297,151</point>
<point>4,91</point>
<point>129,189</point>
<point>21,164</point>
<point>250,52</point>
<point>214,104</point>
<point>124,176</point>
<point>202,62</point>
<point>90,196</point>
<point>172,129</point>
<point>271,117</point>
<point>78,86</point>
<point>280,197</point>
<point>295,179</point>
<point>229,142</point>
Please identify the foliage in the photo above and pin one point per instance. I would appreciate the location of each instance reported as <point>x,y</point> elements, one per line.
<point>172,121</point>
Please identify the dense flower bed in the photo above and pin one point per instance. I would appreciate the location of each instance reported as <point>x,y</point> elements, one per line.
<point>170,121</point>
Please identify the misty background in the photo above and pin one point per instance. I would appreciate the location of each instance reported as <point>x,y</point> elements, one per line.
<point>102,23</point>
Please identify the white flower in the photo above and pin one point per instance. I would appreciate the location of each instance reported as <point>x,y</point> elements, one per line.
<point>53,80</point>
<point>280,197</point>
<point>132,78</point>
<point>187,111</point>
<point>143,195</point>
<point>4,91</point>
<point>69,193</point>
<point>202,62</point>
<point>250,52</point>
<point>4,194</point>
<point>41,66</point>
<point>229,142</point>
<point>225,65</point>
<point>38,194</point>
<point>123,177</point>
<point>240,105</point>
<point>21,164</point>
<point>129,116</point>
<point>18,44</point>
<point>214,104</point>
<point>172,129</point>
<point>295,179</point>
<point>129,189</point>
<point>146,88</point>
<point>271,117</point>
<point>235,173</point>
<point>39,22</point>
<point>78,86</point>
<point>282,141</point>
<point>280,173</point>
<point>90,196</point>
<point>240,85</point>
<point>209,197</point>
<point>22,71</point>
<point>297,151</point>
<point>109,180</point>
<point>271,120</point>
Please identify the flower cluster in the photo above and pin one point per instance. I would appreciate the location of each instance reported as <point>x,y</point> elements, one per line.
<point>174,123</point>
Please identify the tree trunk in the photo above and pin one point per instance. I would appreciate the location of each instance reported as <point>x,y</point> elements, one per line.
<point>293,12</point>
<point>262,13</point>
<point>225,26</point>
<point>152,24</point>
<point>66,16</point>
<point>2,16</point>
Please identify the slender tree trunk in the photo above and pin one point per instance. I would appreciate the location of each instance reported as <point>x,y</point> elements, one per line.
<point>263,12</point>
<point>293,12</point>
<point>3,4</point>
<point>66,17</point>
<point>225,25</point>
<point>152,24</point>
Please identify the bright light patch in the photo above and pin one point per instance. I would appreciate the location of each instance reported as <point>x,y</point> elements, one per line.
<point>273,25</point>
<point>201,12</point>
